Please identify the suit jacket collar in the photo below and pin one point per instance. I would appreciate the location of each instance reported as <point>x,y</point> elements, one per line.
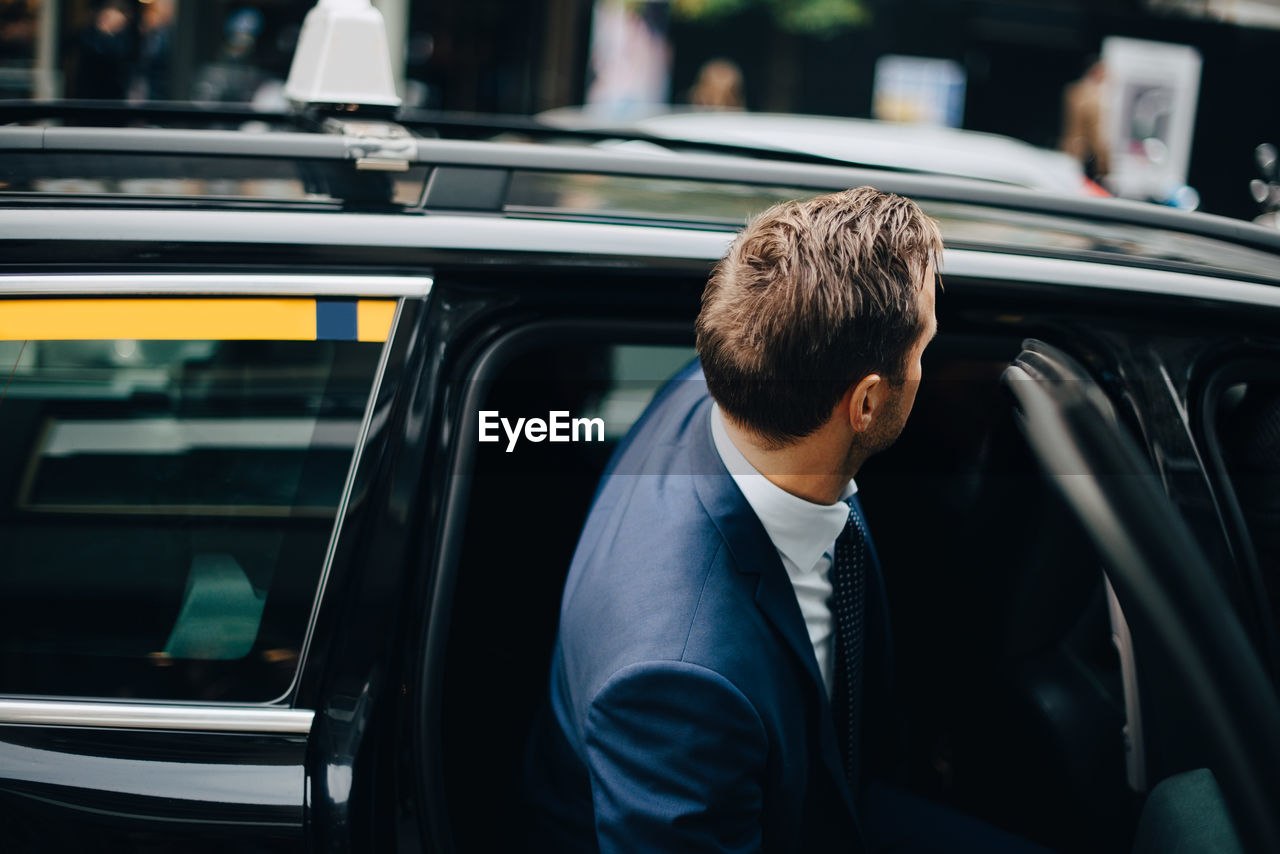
<point>755,555</point>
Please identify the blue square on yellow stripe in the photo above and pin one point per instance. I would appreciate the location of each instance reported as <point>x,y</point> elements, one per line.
<point>336,320</point>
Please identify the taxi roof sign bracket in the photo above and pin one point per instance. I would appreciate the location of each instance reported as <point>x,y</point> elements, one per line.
<point>375,146</point>
<point>342,62</point>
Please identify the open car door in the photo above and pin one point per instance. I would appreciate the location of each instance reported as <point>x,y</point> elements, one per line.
<point>1186,636</point>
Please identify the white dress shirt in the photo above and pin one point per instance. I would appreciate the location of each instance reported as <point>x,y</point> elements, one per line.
<point>804,534</point>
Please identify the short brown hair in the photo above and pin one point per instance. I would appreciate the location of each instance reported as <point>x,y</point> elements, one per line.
<point>811,297</point>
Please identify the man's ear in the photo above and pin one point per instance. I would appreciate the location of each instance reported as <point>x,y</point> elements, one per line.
<point>863,402</point>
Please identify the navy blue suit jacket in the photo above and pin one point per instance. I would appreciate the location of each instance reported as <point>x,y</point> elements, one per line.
<point>687,712</point>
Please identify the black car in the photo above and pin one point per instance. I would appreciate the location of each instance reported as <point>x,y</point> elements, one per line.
<point>260,588</point>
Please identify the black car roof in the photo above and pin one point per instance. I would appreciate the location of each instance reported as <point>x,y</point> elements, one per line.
<point>276,166</point>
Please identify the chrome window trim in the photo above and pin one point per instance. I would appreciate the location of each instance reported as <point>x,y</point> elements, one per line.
<point>367,425</point>
<point>239,285</point>
<point>158,716</point>
<point>978,264</point>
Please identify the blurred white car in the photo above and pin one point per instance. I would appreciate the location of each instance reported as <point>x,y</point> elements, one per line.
<point>889,145</point>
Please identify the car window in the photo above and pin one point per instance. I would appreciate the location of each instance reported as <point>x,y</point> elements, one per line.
<point>170,474</point>
<point>714,203</point>
<point>628,196</point>
<point>637,371</point>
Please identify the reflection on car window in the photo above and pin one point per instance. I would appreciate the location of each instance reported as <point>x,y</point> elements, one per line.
<point>167,504</point>
<point>637,372</point>
<point>728,205</point>
<point>626,196</point>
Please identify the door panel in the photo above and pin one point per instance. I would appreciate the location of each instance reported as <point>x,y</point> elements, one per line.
<point>78,789</point>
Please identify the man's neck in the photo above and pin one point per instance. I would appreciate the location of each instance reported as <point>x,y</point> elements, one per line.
<point>817,468</point>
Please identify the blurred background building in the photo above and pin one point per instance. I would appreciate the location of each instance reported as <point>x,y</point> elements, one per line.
<point>990,65</point>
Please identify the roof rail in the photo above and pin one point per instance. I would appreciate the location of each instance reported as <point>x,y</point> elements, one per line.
<point>107,135</point>
<point>122,113</point>
<point>428,123</point>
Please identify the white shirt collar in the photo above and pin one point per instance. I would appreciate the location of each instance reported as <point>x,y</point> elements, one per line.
<point>801,530</point>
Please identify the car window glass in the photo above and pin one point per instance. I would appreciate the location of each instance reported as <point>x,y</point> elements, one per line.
<point>623,195</point>
<point>728,204</point>
<point>166,503</point>
<point>637,371</point>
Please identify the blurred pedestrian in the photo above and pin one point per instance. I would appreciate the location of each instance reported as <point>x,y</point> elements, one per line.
<point>18,31</point>
<point>1083,121</point>
<point>234,75</point>
<point>155,54</point>
<point>719,86</point>
<point>630,60</point>
<point>103,54</point>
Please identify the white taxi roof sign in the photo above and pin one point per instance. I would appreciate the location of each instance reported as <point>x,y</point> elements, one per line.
<point>342,57</point>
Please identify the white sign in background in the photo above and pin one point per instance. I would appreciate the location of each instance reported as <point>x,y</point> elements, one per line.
<point>1150,111</point>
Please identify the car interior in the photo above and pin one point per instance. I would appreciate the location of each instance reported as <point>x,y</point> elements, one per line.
<point>1010,691</point>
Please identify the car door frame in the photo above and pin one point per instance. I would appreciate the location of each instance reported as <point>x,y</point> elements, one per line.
<point>1162,581</point>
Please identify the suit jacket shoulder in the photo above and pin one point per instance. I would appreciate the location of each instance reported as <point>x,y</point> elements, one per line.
<point>652,574</point>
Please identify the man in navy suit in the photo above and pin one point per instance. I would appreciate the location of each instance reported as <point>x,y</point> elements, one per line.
<point>721,672</point>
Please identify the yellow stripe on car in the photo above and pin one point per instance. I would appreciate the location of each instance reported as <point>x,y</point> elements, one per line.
<point>196,319</point>
<point>373,319</point>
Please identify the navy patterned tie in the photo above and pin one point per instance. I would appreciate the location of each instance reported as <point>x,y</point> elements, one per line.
<point>848,604</point>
